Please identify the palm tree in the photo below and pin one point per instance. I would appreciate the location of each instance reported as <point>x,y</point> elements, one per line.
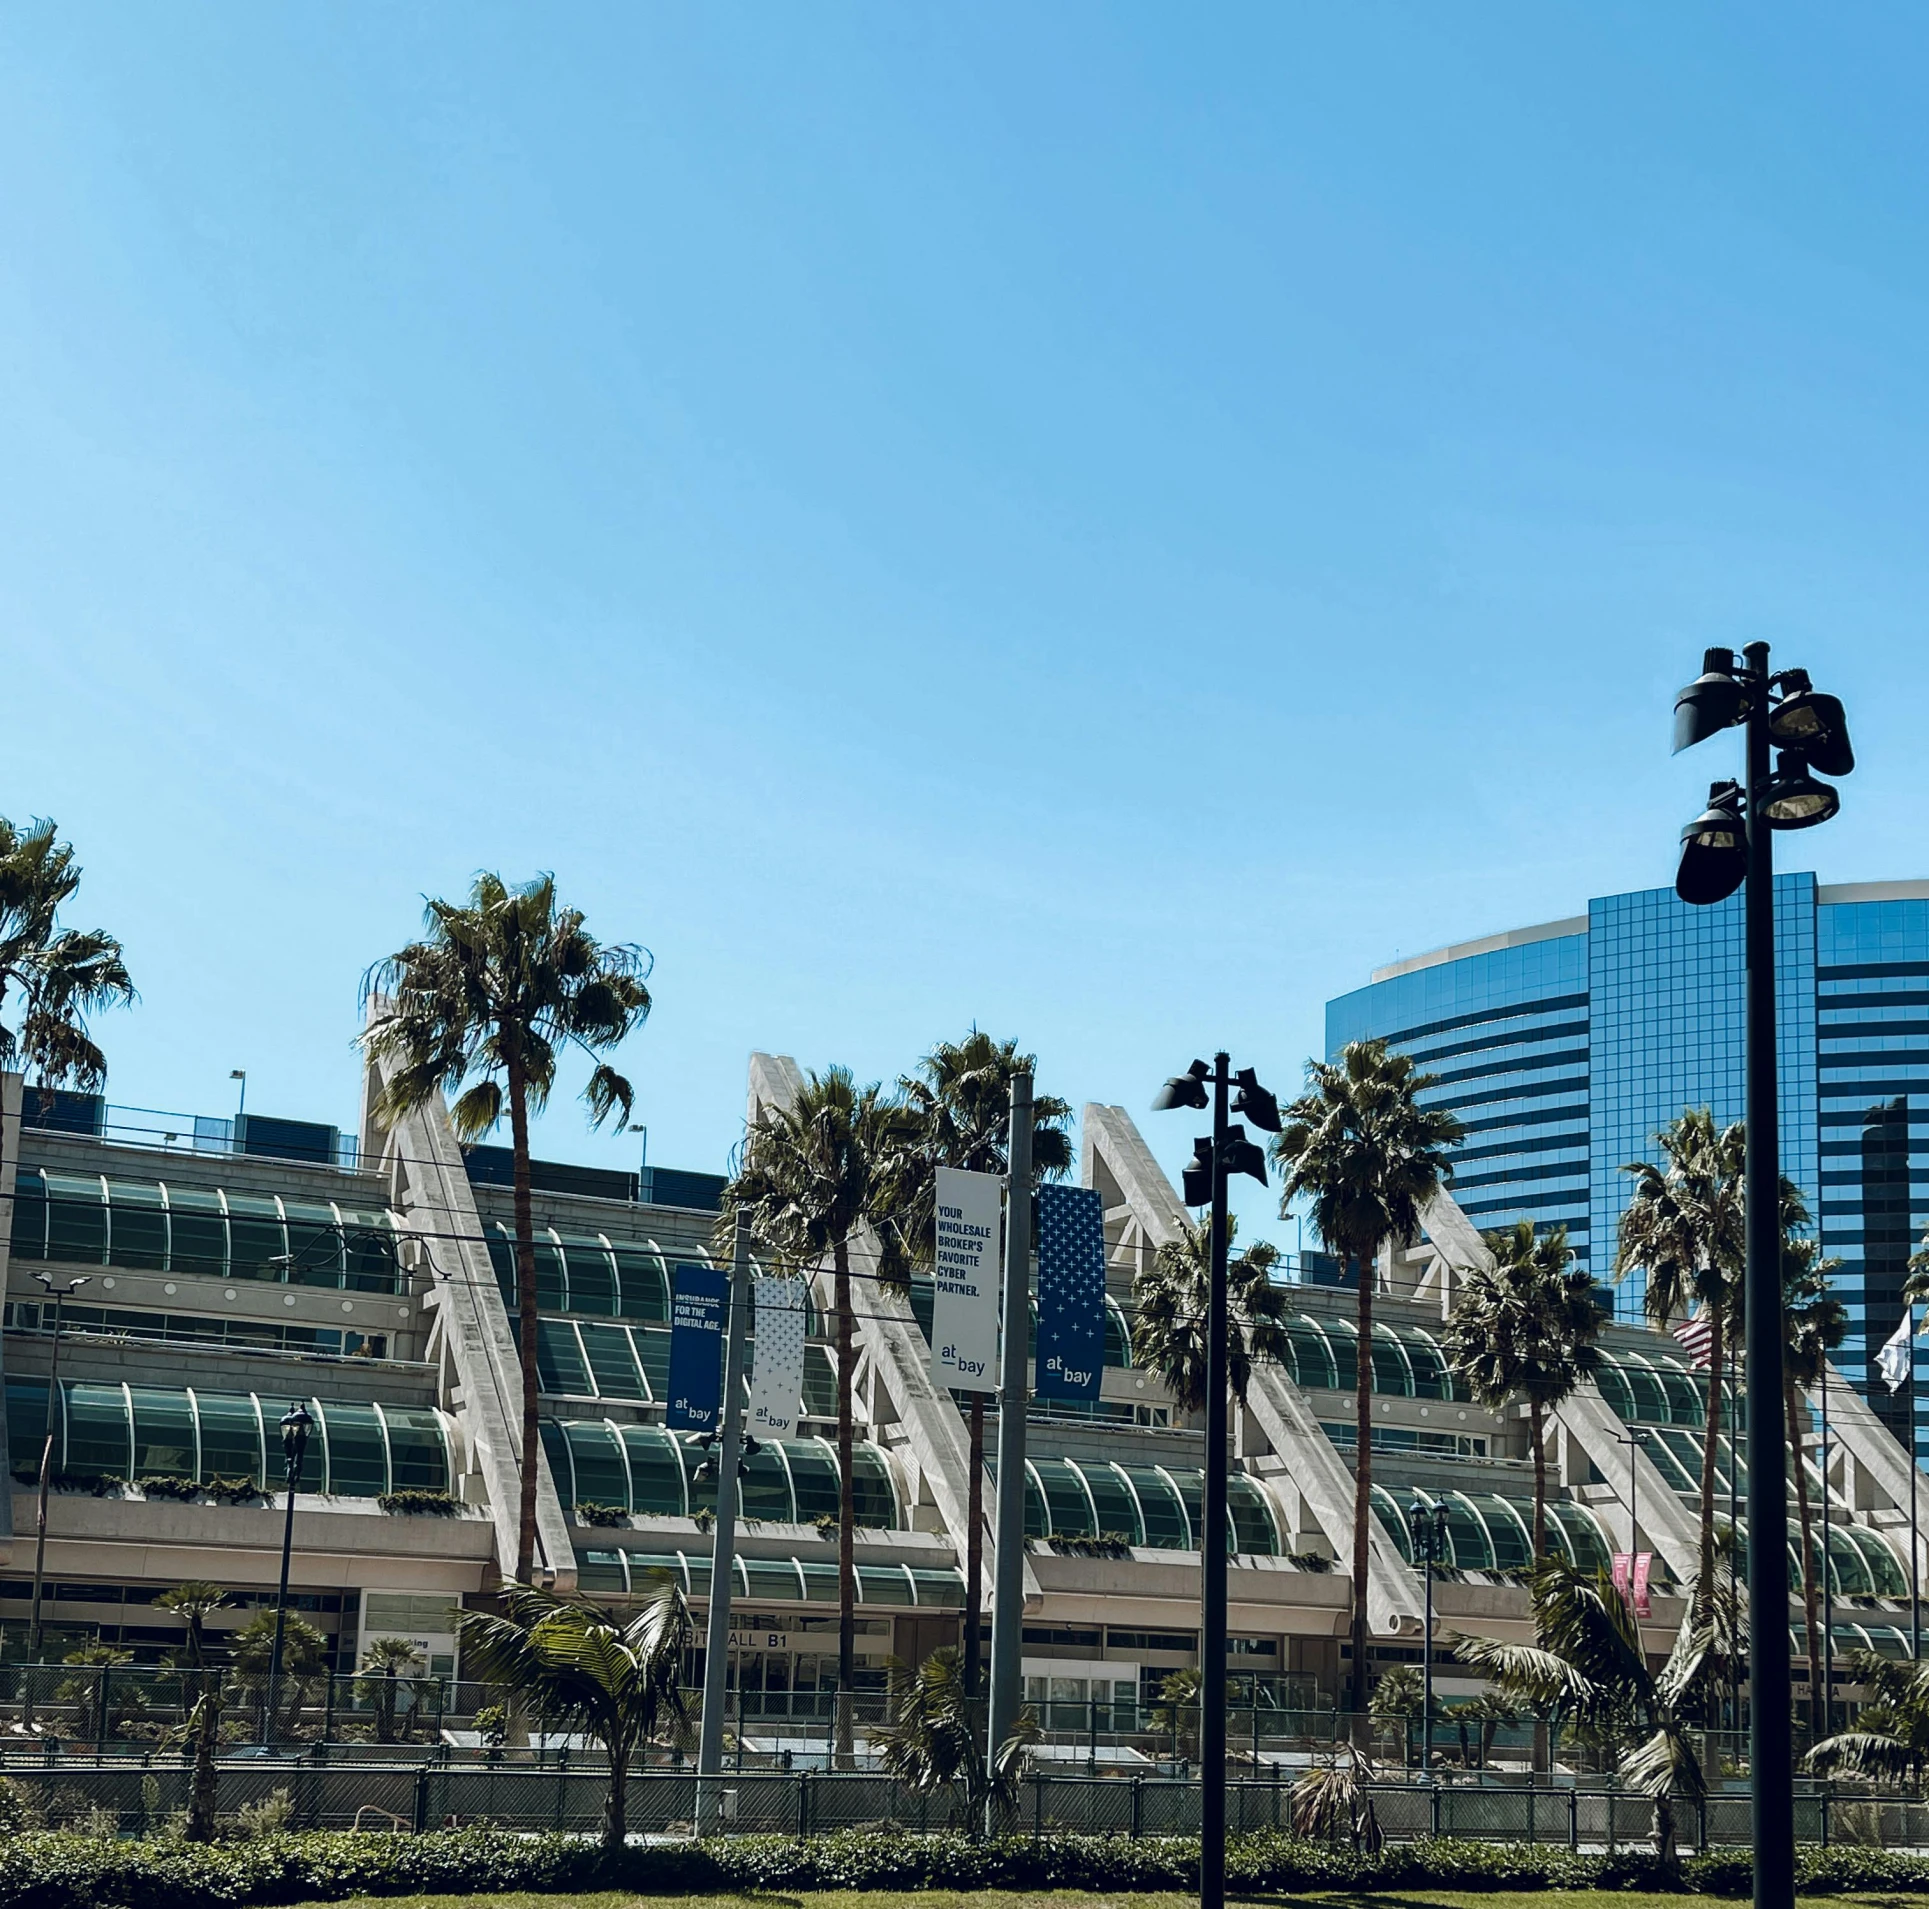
<point>957,1111</point>
<point>1526,1326</point>
<point>1170,1298</point>
<point>812,1174</point>
<point>1814,1323</point>
<point>304,1662</point>
<point>483,1007</point>
<point>192,1603</point>
<point>1683,1229</point>
<point>578,1667</point>
<point>1368,1157</point>
<point>60,974</point>
<point>933,1741</point>
<point>1587,1667</point>
<point>1399,1697</point>
<point>1889,1739</point>
<point>385,1663</point>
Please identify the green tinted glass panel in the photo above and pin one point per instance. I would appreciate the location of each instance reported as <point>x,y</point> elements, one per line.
<point>314,1245</point>
<point>1344,1338</point>
<point>820,1383</point>
<point>940,1590</point>
<point>1430,1380</point>
<point>602,1477</point>
<point>97,1436</point>
<point>1615,1390</point>
<point>256,1237</point>
<point>1390,1372</point>
<point>601,1571</point>
<point>1393,1521</point>
<point>1253,1529</point>
<point>652,1345</point>
<point>924,1303</point>
<point>163,1433</point>
<point>1586,1546</point>
<point>611,1361</point>
<point>882,1584</point>
<point>27,1425</point>
<point>1650,1397</point>
<point>1118,1337</point>
<point>763,1485</point>
<point>370,1247</point>
<point>30,1215</point>
<point>644,1284</point>
<point>1192,1490</point>
<point>1117,1510</point>
<point>230,1436</point>
<point>552,1289</point>
<point>137,1223</point>
<point>76,1219</point>
<point>813,1472</point>
<point>656,1470</point>
<point>357,1461</point>
<point>1065,1500</point>
<point>773,1580</point>
<point>418,1449</point>
<point>873,1502</point>
<point>199,1232</point>
<point>1685,1403</point>
<point>592,1277</point>
<point>560,1365</point>
<point>1037,1524</point>
<point>1467,1537</point>
<point>820,1582</point>
<point>562,1473</point>
<point>1165,1519</point>
<point>502,1256</point>
<point>1513,1540</point>
<point>1312,1356</point>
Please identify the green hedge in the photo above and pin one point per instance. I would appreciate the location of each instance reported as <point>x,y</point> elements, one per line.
<point>64,1871</point>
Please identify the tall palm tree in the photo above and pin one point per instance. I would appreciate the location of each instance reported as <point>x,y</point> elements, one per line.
<point>1367,1156</point>
<point>1814,1323</point>
<point>1170,1299</point>
<point>1683,1229</point>
<point>61,975</point>
<point>812,1174</point>
<point>1526,1327</point>
<point>957,1111</point>
<point>577,1666</point>
<point>1586,1666</point>
<point>192,1603</point>
<point>483,1007</point>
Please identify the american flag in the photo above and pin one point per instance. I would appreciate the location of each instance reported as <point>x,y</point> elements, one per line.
<point>1071,1292</point>
<point>1697,1335</point>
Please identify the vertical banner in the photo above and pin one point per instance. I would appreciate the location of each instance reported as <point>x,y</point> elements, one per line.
<point>1643,1565</point>
<point>777,1380</point>
<point>697,1306</point>
<point>1621,1570</point>
<point>964,1313</point>
<point>1071,1292</point>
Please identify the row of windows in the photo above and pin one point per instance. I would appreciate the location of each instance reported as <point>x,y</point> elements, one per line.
<point>1323,1355</point>
<point>1486,1532</point>
<point>1159,1507</point>
<point>133,1431</point>
<point>587,1273</point>
<point>770,1580</point>
<point>1118,1335</point>
<point>650,1470</point>
<point>1496,1044</point>
<point>206,1232</point>
<point>593,1360</point>
<point>242,1335</point>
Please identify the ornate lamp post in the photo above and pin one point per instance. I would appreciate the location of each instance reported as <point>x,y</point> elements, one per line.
<point>1427,1527</point>
<point>295,1427</point>
<point>57,1292</point>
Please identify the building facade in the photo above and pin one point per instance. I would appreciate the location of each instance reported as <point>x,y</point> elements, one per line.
<point>1564,1047</point>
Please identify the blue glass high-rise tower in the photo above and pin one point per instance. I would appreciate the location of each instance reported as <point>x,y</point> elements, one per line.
<point>1564,1047</point>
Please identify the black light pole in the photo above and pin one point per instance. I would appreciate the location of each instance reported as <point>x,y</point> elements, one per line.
<point>57,1292</point>
<point>1633,1438</point>
<point>1828,1572</point>
<point>1224,1152</point>
<point>1427,1525</point>
<point>1728,845</point>
<point>295,1427</point>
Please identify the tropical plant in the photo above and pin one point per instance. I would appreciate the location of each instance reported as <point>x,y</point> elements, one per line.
<point>87,1692</point>
<point>61,975</point>
<point>1367,1157</point>
<point>576,1666</point>
<point>483,1007</point>
<point>1587,1667</point>
<point>1814,1323</point>
<point>193,1603</point>
<point>1526,1327</point>
<point>1174,1719</point>
<point>1401,1697</point>
<point>1889,1739</point>
<point>1170,1297</point>
<point>1333,1804</point>
<point>1485,1715</point>
<point>385,1663</point>
<point>933,1739</point>
<point>304,1663</point>
<point>813,1174</point>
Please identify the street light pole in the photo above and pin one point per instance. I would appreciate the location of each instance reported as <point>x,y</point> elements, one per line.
<point>58,1293</point>
<point>1828,1573</point>
<point>1428,1527</point>
<point>1008,1564</point>
<point>295,1426</point>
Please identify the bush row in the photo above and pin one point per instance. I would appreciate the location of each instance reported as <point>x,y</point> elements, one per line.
<point>61,1871</point>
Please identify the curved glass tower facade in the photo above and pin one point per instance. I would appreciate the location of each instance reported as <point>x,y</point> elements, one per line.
<point>1563,1048</point>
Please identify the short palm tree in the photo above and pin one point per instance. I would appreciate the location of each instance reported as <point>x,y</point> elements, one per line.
<point>483,1007</point>
<point>1814,1323</point>
<point>812,1174</point>
<point>576,1666</point>
<point>385,1663</point>
<point>1169,1300</point>
<point>933,1741</point>
<point>957,1113</point>
<point>192,1603</point>
<point>1683,1229</point>
<point>1889,1739</point>
<point>1360,1148</point>
<point>60,975</point>
<point>304,1662</point>
<point>1526,1327</point>
<point>1401,1697</point>
<point>1586,1667</point>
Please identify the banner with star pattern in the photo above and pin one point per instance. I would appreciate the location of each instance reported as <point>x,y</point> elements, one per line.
<point>1071,1292</point>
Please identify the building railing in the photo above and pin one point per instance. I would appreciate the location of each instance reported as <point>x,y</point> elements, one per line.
<point>254,1136</point>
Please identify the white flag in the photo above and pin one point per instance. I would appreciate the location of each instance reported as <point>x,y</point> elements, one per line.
<point>777,1377</point>
<point>964,1320</point>
<point>1893,1360</point>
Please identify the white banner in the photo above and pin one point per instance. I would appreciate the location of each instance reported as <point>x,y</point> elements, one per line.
<point>777,1375</point>
<point>964,1325</point>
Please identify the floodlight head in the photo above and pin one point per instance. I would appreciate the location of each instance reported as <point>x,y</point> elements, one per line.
<point>296,1424</point>
<point>1816,724</point>
<point>1183,1090</point>
<point>1712,702</point>
<point>1243,1155</point>
<point>1793,798</point>
<point>1714,850</point>
<point>1255,1101</point>
<point>1198,1173</point>
<point>55,1290</point>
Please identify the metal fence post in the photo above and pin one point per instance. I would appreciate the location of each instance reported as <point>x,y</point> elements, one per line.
<point>100,1722</point>
<point>421,1799</point>
<point>1037,1808</point>
<point>1138,1805</point>
<point>1824,1801</point>
<point>1433,1809</point>
<point>1574,1819</point>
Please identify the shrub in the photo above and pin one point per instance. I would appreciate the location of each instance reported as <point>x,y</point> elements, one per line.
<point>1108,1544</point>
<point>162,1485</point>
<point>413,1499</point>
<point>234,1491</point>
<point>589,1512</point>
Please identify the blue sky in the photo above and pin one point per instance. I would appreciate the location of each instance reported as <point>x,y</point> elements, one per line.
<point>1104,521</point>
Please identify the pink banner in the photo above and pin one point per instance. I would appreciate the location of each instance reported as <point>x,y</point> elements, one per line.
<point>1643,1563</point>
<point>1623,1564</point>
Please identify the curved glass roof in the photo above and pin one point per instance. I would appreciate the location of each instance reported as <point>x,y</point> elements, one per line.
<point>1488,1532</point>
<point>620,1572</point>
<point>1156,1507</point>
<point>1322,1355</point>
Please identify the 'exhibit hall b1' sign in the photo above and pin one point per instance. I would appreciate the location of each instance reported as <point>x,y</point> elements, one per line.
<point>697,1305</point>
<point>1071,1292</point>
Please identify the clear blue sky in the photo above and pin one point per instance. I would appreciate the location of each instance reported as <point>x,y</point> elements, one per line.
<point>1105,521</point>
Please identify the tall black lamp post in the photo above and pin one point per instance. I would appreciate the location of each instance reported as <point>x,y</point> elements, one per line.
<point>57,1293</point>
<point>1225,1151</point>
<point>1427,1527</point>
<point>1731,843</point>
<point>296,1424</point>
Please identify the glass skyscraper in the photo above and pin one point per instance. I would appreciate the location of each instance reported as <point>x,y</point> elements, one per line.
<point>1564,1047</point>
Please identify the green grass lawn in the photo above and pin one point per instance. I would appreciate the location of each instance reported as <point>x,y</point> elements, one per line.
<point>1081,1899</point>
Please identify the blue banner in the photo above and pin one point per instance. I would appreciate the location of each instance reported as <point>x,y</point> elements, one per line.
<point>697,1307</point>
<point>1071,1292</point>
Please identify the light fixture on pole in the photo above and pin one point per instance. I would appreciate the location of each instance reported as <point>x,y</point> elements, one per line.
<point>1729,846</point>
<point>1427,1527</point>
<point>57,1293</point>
<point>296,1424</point>
<point>1216,1156</point>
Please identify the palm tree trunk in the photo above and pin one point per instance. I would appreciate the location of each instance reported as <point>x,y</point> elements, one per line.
<point>1664,1833</point>
<point>201,1798</point>
<point>615,1804</point>
<point>1362,1475</point>
<point>846,1505</point>
<point>1705,1585</point>
<point>526,1319</point>
<point>1793,1407</point>
<point>1537,1432</point>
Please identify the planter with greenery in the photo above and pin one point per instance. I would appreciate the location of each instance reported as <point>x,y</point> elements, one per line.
<point>415,1501</point>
